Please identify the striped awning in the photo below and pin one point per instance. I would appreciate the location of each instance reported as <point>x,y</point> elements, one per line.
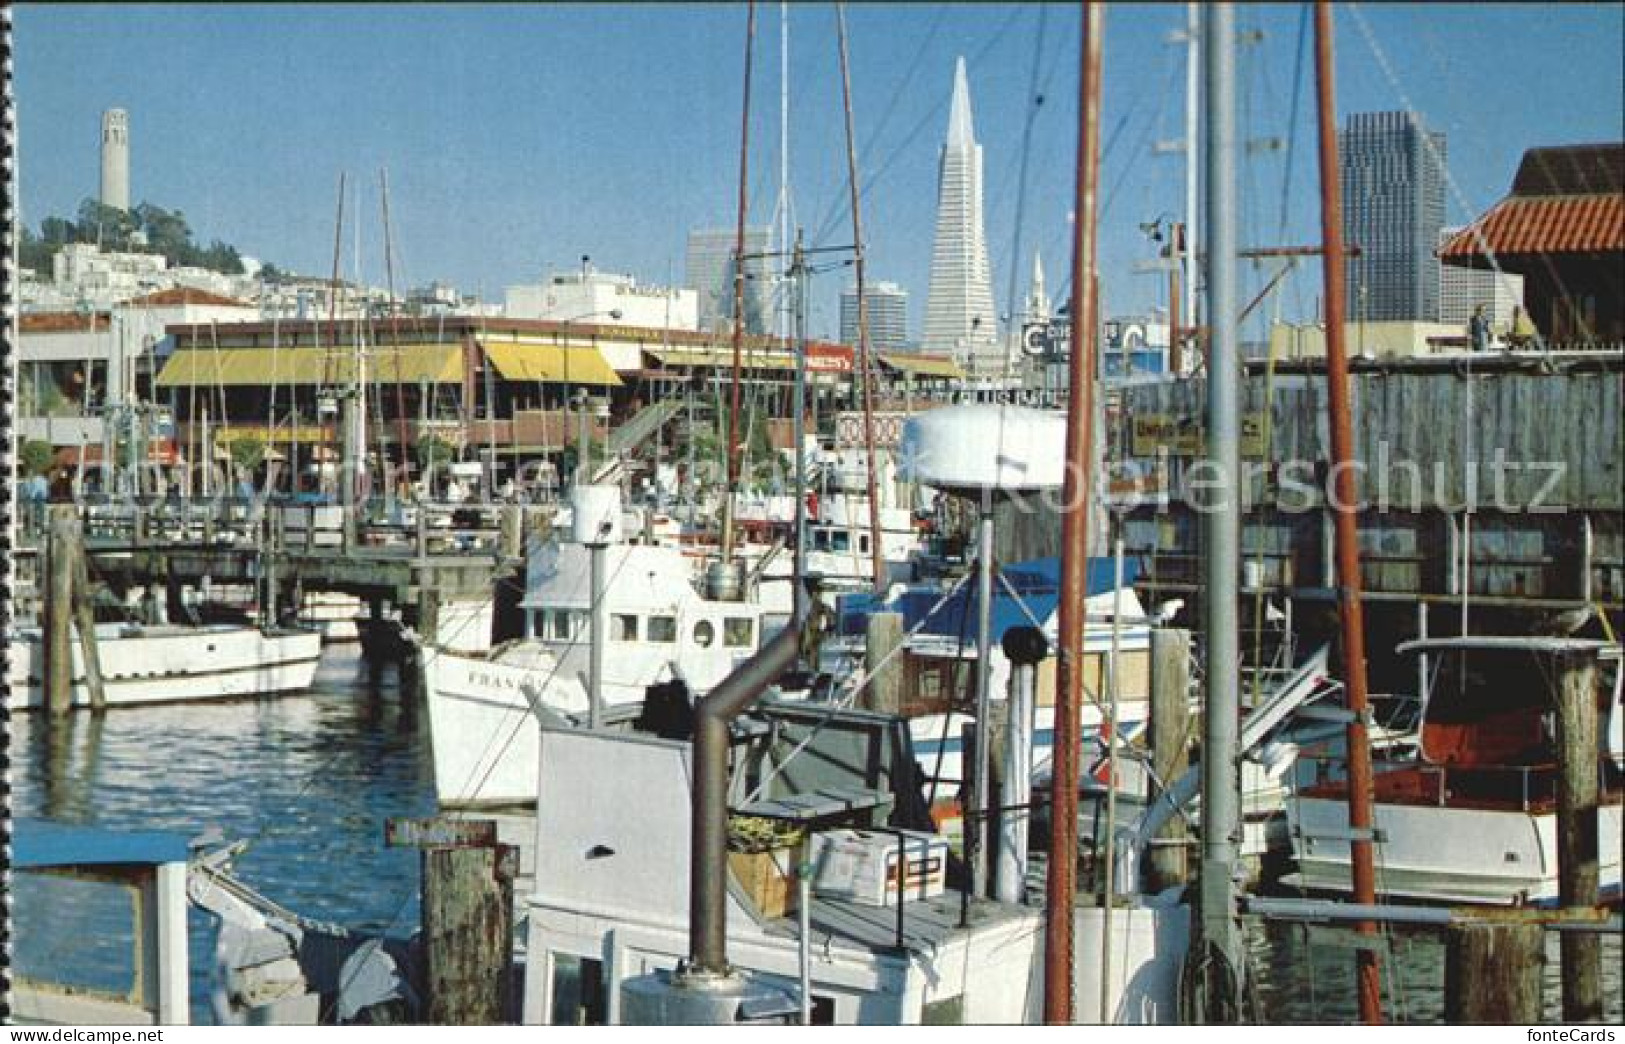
<point>266,367</point>
<point>1530,225</point>
<point>550,363</point>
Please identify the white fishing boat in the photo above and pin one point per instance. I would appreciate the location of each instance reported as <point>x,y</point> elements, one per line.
<point>484,708</point>
<point>164,663</point>
<point>1473,818</point>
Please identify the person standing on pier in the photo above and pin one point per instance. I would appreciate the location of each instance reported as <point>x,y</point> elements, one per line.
<point>1478,330</point>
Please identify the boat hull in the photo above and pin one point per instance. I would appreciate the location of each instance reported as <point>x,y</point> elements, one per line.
<point>1446,854</point>
<point>483,721</point>
<point>170,664</point>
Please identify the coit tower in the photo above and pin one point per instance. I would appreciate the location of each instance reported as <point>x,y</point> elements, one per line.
<point>115,159</point>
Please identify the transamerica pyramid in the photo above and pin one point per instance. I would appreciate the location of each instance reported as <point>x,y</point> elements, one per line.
<point>959,316</point>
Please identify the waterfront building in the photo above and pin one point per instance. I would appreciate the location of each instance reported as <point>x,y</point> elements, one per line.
<point>709,269</point>
<point>1562,227</point>
<point>887,314</point>
<point>959,316</point>
<point>1393,171</point>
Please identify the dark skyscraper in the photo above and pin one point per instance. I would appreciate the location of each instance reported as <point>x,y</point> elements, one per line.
<point>1393,208</point>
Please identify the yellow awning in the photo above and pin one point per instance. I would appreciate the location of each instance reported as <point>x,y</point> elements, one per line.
<point>724,358</point>
<point>551,363</point>
<point>257,367</point>
<point>923,365</point>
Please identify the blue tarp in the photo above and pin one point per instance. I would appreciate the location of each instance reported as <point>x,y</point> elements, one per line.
<point>39,844</point>
<point>1038,582</point>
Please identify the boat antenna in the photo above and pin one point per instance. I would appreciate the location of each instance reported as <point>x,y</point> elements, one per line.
<point>1062,869</point>
<point>733,448</point>
<point>1351,615</point>
<point>865,362</point>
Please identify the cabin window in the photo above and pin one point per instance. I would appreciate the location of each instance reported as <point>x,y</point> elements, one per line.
<point>863,542</point>
<point>623,627</point>
<point>558,625</point>
<point>737,631</point>
<point>704,634</point>
<point>840,540</point>
<point>663,629</point>
<point>578,991</point>
<point>950,1011</point>
<point>823,1011</point>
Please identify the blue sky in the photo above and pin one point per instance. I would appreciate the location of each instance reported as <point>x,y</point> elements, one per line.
<point>519,137</point>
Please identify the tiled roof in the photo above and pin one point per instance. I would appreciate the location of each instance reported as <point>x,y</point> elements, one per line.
<point>1590,224</point>
<point>186,295</point>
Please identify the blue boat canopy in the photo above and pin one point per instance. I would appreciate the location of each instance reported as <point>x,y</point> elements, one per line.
<point>39,844</point>
<point>1038,582</point>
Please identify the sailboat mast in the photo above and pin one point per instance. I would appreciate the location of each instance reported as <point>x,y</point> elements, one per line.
<point>1077,487</point>
<point>866,374</point>
<point>733,448</point>
<point>1351,615</point>
<point>1221,533</point>
<point>394,326</point>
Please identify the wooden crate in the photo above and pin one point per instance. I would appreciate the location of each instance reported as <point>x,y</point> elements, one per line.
<point>768,879</point>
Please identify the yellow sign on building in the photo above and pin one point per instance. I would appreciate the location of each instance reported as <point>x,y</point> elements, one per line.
<point>1182,436</point>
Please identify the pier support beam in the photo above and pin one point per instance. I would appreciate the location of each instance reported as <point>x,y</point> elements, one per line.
<point>1577,845</point>
<point>1168,865</point>
<point>1492,972</point>
<point>885,690</point>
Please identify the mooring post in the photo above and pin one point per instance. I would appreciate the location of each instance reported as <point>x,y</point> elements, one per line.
<point>84,615</point>
<point>467,918</point>
<point>1167,865</point>
<point>1492,971</point>
<point>884,663</point>
<point>1577,845</point>
<point>58,674</point>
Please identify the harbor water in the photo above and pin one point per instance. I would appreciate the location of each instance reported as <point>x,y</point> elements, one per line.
<point>310,779</point>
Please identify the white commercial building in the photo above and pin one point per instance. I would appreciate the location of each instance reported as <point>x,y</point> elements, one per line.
<point>604,299</point>
<point>888,316</point>
<point>1463,289</point>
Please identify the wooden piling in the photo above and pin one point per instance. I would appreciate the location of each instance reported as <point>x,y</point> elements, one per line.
<point>58,660</point>
<point>467,918</point>
<point>1577,845</point>
<point>885,692</point>
<point>1492,972</point>
<point>1167,865</point>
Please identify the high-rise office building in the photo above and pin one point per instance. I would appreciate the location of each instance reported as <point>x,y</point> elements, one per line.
<point>1462,289</point>
<point>888,316</point>
<point>115,159</point>
<point>709,269</point>
<point>1393,207</point>
<point>959,316</point>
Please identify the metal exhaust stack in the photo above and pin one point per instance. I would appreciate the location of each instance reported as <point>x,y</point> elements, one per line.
<point>705,990</point>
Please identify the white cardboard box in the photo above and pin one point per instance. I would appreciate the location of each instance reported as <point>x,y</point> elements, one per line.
<point>861,865</point>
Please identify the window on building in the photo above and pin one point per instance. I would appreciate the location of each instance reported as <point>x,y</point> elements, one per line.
<point>578,991</point>
<point>663,629</point>
<point>737,632</point>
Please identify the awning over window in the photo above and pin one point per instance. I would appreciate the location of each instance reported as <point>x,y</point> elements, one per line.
<point>551,363</point>
<point>264,367</point>
<point>923,365</point>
